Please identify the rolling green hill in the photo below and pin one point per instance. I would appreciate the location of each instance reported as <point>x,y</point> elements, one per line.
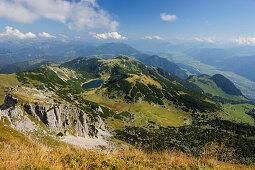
<point>219,87</point>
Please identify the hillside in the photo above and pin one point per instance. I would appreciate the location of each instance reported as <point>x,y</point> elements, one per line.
<point>157,61</point>
<point>219,87</point>
<point>137,81</point>
<point>224,91</point>
<point>226,85</point>
<point>124,103</point>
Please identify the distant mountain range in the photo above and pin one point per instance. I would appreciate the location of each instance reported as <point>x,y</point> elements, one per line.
<point>27,58</point>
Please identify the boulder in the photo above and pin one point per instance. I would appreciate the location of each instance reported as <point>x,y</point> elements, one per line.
<point>9,102</point>
<point>42,87</point>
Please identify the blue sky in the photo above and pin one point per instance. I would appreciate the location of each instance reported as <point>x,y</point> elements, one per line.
<point>187,20</point>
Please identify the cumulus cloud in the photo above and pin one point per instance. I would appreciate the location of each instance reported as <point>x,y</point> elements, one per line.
<point>16,11</point>
<point>153,37</point>
<point>76,15</point>
<point>15,33</point>
<point>245,40</point>
<point>46,35</point>
<point>168,17</point>
<point>108,35</point>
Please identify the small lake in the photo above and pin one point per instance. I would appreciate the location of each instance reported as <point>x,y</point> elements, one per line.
<point>93,84</point>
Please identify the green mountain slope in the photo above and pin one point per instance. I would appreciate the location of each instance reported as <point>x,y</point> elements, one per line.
<point>157,61</point>
<point>219,87</point>
<point>226,85</point>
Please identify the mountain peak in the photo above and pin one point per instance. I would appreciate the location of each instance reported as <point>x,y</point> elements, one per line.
<point>123,57</point>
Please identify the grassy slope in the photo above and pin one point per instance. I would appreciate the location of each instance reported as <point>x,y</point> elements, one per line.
<point>7,80</point>
<point>209,86</point>
<point>168,116</point>
<point>32,156</point>
<point>235,111</point>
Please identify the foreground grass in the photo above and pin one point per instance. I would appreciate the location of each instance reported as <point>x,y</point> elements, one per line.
<point>18,152</point>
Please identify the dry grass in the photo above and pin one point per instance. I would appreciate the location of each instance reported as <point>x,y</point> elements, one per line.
<point>17,152</point>
<point>7,80</point>
<point>31,95</point>
<point>64,73</point>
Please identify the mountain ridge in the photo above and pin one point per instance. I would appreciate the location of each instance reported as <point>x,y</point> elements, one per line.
<point>106,50</point>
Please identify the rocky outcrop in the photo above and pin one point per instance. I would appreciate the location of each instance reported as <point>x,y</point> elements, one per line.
<point>57,118</point>
<point>66,119</point>
<point>42,87</point>
<point>19,121</point>
<point>9,102</point>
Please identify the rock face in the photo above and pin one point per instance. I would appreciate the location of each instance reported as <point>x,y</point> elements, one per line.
<point>66,119</point>
<point>28,108</point>
<point>9,102</point>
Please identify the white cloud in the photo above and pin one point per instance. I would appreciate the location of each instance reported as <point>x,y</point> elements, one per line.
<point>30,35</point>
<point>153,37</point>
<point>205,39</point>
<point>46,35</point>
<point>63,35</point>
<point>108,35</point>
<point>245,40</point>
<point>168,17</point>
<point>76,15</point>
<point>10,32</point>
<point>16,11</point>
